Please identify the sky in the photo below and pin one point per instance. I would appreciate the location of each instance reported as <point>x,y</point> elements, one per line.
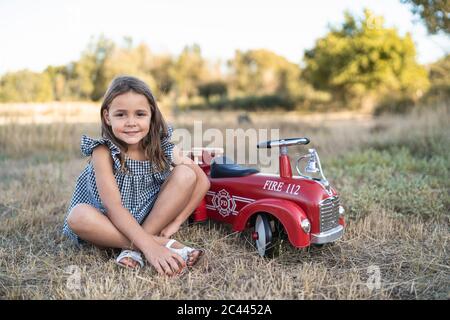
<point>38,33</point>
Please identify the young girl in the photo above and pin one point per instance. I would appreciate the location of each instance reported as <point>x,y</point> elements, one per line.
<point>128,196</point>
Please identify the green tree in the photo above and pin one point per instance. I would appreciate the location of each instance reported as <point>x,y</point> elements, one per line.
<point>213,88</point>
<point>135,61</point>
<point>439,73</point>
<point>101,61</point>
<point>87,78</point>
<point>189,70</point>
<point>25,86</point>
<point>435,14</point>
<point>262,72</point>
<point>99,52</point>
<point>161,70</point>
<point>362,60</point>
<point>58,76</point>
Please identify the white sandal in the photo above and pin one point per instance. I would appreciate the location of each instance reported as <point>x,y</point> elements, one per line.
<point>185,251</point>
<point>134,255</point>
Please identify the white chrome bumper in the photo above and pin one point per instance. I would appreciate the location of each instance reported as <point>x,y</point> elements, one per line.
<point>328,236</point>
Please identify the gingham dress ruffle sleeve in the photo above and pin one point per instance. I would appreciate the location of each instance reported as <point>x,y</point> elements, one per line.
<point>139,184</point>
<point>88,145</point>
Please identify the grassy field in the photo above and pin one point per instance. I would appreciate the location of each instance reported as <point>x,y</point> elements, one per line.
<point>393,174</point>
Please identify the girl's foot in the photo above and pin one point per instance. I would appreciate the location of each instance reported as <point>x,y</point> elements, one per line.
<point>130,259</point>
<point>191,255</point>
<point>129,263</point>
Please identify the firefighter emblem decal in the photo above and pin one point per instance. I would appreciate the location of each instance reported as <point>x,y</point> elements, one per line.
<point>224,203</point>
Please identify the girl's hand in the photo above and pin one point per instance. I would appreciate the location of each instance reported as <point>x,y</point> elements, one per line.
<point>164,260</point>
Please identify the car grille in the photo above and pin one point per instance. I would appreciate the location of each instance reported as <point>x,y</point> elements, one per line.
<point>329,213</point>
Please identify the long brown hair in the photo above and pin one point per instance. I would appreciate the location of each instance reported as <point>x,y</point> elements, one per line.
<point>151,144</point>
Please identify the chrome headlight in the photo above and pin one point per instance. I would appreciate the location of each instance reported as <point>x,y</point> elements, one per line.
<point>306,226</point>
<point>341,211</point>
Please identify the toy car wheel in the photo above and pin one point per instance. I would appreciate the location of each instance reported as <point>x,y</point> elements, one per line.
<point>262,234</point>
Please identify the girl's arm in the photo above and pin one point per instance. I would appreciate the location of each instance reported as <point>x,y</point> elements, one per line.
<point>161,258</point>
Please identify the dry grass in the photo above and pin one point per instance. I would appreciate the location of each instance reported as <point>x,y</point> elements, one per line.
<point>393,175</point>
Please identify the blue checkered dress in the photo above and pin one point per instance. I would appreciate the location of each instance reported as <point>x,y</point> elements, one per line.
<point>139,185</point>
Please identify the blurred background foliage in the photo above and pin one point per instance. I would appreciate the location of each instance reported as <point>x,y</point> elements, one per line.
<point>359,65</point>
<point>434,13</point>
<point>362,61</point>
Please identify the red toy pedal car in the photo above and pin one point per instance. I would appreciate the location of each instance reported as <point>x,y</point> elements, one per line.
<point>307,208</point>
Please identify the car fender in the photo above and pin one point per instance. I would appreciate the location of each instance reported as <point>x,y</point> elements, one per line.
<point>287,212</point>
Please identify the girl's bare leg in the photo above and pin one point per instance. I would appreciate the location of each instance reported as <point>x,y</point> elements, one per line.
<point>174,196</point>
<point>201,187</point>
<point>93,226</point>
<point>177,198</point>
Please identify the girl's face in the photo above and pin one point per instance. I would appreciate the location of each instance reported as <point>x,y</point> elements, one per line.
<point>129,116</point>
